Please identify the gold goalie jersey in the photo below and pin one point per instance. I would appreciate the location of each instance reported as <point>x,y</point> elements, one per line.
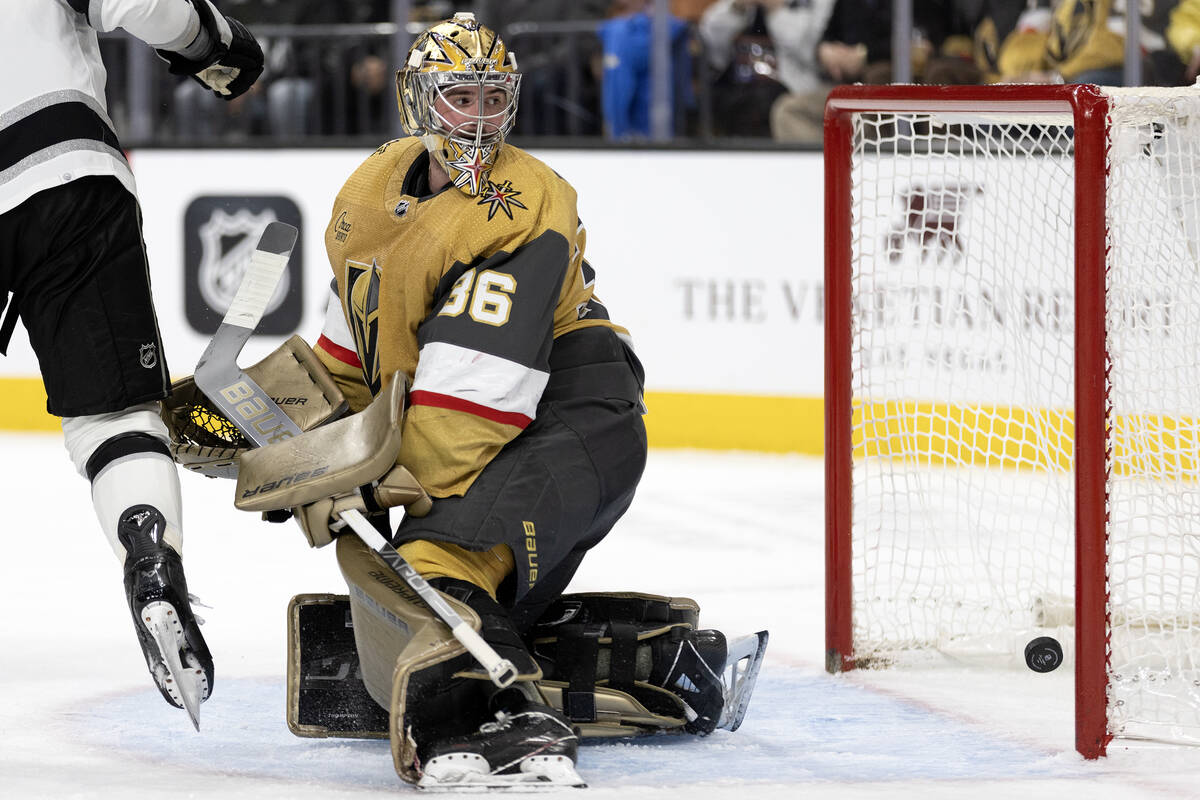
<point>463,294</point>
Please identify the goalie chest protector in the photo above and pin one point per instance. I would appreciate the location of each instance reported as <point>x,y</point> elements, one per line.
<point>449,279</point>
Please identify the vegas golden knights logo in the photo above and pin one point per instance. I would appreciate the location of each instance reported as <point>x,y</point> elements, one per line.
<point>362,310</point>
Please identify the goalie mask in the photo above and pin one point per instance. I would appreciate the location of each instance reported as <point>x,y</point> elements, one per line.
<point>458,92</point>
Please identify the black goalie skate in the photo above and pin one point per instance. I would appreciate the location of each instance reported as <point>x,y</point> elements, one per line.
<point>529,746</point>
<point>714,678</point>
<point>175,651</point>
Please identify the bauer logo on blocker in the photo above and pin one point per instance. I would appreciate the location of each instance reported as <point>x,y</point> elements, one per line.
<point>220,233</point>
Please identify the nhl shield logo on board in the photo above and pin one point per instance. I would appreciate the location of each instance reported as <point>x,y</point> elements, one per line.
<point>220,234</point>
<point>227,241</point>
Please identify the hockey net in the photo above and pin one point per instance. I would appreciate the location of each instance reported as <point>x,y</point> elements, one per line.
<point>1013,388</point>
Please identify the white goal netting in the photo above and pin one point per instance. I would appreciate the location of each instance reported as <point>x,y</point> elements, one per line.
<point>963,496</point>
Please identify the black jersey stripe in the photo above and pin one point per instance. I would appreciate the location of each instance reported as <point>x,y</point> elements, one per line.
<point>51,125</point>
<point>538,267</point>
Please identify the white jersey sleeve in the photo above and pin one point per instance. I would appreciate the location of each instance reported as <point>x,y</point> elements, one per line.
<point>54,123</point>
<point>166,24</point>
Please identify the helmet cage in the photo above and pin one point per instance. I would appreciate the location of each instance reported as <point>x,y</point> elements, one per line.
<point>430,96</point>
<point>438,107</point>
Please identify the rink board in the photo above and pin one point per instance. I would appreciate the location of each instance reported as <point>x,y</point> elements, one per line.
<point>727,321</point>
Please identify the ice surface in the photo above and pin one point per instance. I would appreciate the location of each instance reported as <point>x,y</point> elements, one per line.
<point>741,533</point>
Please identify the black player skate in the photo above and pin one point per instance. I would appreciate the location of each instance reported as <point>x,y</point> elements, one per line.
<point>714,679</point>
<point>175,651</point>
<point>528,746</point>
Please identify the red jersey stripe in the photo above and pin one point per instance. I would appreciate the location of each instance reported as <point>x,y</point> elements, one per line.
<point>437,400</point>
<point>346,356</point>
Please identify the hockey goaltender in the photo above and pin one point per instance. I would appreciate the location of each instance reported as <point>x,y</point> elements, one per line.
<point>497,403</point>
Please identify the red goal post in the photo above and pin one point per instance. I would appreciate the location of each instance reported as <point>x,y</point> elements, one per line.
<point>983,298</point>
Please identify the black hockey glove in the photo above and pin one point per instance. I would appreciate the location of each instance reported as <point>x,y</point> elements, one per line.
<point>228,60</point>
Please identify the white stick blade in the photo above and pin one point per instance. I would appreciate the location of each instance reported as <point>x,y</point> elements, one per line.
<point>267,264</point>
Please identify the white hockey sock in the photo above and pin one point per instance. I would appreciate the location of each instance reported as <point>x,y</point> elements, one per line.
<point>141,479</point>
<point>125,455</point>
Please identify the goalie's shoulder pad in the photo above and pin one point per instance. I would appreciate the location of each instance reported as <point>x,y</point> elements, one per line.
<point>204,441</point>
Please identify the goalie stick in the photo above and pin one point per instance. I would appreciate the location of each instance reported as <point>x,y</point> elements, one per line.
<point>217,374</point>
<point>261,421</point>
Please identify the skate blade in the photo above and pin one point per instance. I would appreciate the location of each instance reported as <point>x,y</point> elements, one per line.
<point>740,674</point>
<point>186,685</point>
<point>471,772</point>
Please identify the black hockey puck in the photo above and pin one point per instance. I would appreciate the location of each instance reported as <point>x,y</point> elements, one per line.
<point>1043,654</point>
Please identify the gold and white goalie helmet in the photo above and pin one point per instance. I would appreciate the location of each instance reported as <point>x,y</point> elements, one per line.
<point>458,92</point>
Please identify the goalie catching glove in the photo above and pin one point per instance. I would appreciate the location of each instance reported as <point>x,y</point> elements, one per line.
<point>224,56</point>
<point>204,441</point>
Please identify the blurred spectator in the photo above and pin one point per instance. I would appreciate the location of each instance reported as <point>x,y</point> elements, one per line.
<point>1162,64</point>
<point>1082,45</point>
<point>560,86</point>
<point>357,89</point>
<point>996,28</point>
<point>690,10</point>
<point>951,59</point>
<point>759,50</point>
<point>433,10</point>
<point>282,102</point>
<point>857,43</point>
<point>626,87</point>
<point>1183,33</point>
<point>856,46</point>
<point>1083,41</point>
